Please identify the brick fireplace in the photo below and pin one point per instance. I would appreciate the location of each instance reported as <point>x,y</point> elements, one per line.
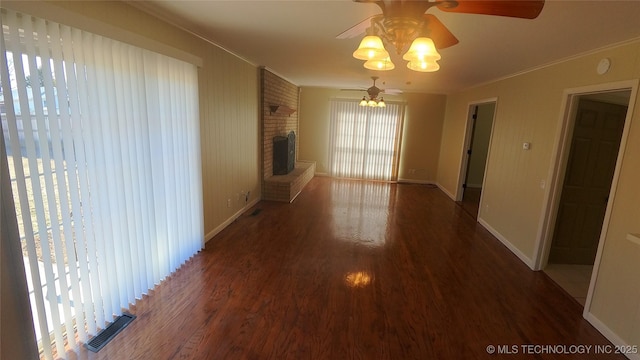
<point>279,101</point>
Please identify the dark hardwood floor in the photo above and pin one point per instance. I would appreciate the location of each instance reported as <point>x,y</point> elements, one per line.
<point>353,270</point>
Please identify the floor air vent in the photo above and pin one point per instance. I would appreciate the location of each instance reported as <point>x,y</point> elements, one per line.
<point>256,212</point>
<point>104,336</point>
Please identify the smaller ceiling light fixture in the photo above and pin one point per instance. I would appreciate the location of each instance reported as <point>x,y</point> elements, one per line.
<point>372,102</point>
<point>373,92</point>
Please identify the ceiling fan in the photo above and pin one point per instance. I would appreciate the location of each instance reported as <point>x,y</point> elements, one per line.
<point>373,93</point>
<point>405,22</point>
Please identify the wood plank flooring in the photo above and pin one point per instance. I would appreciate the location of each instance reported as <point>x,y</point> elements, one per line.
<point>353,270</point>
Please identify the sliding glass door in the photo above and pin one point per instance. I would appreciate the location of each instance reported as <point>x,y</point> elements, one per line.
<point>365,141</point>
<point>102,144</point>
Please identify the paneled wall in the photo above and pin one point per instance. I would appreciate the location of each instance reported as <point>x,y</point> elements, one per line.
<point>230,135</point>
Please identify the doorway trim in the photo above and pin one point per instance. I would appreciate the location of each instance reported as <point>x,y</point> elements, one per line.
<point>557,171</point>
<point>467,143</point>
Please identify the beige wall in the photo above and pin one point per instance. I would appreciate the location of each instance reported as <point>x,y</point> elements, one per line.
<point>529,109</point>
<point>421,134</point>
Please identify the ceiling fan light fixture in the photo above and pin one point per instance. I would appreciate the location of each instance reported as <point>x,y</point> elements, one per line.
<point>423,66</point>
<point>380,65</point>
<point>422,49</point>
<point>373,103</point>
<point>371,48</point>
<point>402,21</point>
<point>373,92</point>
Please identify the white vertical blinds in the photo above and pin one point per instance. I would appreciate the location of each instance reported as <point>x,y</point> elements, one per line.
<point>102,140</point>
<point>365,141</point>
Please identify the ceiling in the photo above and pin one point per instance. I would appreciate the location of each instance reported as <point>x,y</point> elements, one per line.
<point>297,39</point>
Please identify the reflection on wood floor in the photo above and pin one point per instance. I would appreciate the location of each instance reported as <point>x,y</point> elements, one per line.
<point>352,270</point>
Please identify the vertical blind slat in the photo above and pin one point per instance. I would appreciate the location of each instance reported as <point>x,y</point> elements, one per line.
<point>87,97</point>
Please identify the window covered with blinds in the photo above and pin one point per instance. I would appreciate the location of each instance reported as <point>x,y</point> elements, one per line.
<point>102,142</point>
<point>365,141</point>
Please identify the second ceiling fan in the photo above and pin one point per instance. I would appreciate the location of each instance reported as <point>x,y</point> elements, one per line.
<point>373,93</point>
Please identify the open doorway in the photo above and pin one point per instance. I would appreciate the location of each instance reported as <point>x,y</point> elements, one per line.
<point>479,128</point>
<point>594,135</point>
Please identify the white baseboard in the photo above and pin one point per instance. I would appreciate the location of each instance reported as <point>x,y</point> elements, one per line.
<point>211,234</point>
<point>414,181</point>
<point>446,191</point>
<point>524,258</point>
<point>611,336</point>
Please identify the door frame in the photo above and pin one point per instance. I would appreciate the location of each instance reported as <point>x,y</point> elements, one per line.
<point>464,164</point>
<point>560,156</point>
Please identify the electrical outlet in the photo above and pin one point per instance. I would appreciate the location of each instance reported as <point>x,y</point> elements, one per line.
<point>228,203</point>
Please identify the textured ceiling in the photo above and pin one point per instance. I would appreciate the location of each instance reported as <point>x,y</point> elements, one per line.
<point>297,39</point>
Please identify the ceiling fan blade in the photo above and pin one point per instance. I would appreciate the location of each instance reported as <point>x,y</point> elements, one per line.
<point>441,36</point>
<point>526,9</point>
<point>392,91</point>
<point>356,30</point>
